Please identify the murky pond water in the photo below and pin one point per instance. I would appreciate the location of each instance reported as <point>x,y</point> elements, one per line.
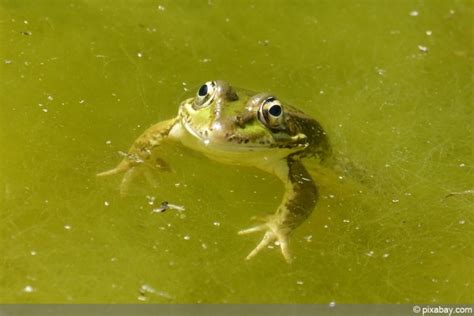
<point>390,81</point>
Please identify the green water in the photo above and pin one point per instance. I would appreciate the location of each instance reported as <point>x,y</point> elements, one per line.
<point>80,80</point>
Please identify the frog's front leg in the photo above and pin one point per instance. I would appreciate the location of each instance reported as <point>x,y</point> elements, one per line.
<point>141,158</point>
<point>298,202</point>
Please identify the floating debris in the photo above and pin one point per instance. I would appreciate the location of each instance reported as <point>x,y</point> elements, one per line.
<point>28,289</point>
<point>67,227</point>
<point>147,289</point>
<point>429,32</point>
<point>186,237</point>
<point>106,203</point>
<point>423,49</point>
<point>299,282</point>
<point>161,8</point>
<point>165,205</point>
<point>467,192</point>
<point>414,13</point>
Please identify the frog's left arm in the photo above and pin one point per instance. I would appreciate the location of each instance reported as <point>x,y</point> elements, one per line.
<point>298,202</point>
<point>300,197</point>
<point>141,154</point>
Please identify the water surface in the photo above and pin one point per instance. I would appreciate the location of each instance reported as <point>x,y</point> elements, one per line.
<point>390,81</point>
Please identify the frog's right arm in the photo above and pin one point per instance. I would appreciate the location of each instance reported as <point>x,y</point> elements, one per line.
<point>141,153</point>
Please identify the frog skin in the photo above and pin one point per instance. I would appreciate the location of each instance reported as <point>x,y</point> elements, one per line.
<point>240,127</point>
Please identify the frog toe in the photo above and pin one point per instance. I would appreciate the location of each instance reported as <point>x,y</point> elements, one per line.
<point>266,240</point>
<point>272,234</point>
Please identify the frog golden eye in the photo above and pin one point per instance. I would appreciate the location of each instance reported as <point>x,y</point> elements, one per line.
<point>205,95</point>
<point>270,113</point>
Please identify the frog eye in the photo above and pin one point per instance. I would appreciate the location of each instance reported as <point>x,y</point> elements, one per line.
<point>205,94</point>
<point>270,113</point>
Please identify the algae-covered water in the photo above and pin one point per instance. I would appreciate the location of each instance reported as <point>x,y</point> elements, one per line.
<point>391,82</point>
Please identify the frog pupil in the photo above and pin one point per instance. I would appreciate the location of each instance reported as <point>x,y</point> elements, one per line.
<point>203,90</point>
<point>275,110</point>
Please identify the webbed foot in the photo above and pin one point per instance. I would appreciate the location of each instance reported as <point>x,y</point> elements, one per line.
<point>273,233</point>
<point>131,171</point>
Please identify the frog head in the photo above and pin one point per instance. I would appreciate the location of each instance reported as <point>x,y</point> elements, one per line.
<point>240,120</point>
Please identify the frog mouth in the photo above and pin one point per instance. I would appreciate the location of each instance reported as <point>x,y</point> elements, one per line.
<point>231,142</point>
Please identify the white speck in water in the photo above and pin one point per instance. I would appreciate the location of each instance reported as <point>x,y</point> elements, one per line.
<point>423,49</point>
<point>370,253</point>
<point>45,110</point>
<point>33,253</point>
<point>67,227</point>
<point>206,142</point>
<point>462,222</point>
<point>429,32</point>
<point>277,243</point>
<point>321,92</point>
<point>108,142</point>
<point>386,255</point>
<point>81,101</point>
<point>395,201</point>
<point>28,289</point>
<point>26,22</point>
<point>326,226</point>
<point>205,60</point>
<point>141,298</point>
<point>161,8</point>
<point>106,203</point>
<point>216,224</point>
<point>299,282</point>
<point>346,221</point>
<point>332,304</point>
<point>452,11</point>
<point>462,165</point>
<point>50,98</point>
<point>139,55</point>
<point>7,61</point>
<point>414,13</point>
<point>331,196</point>
<point>308,238</point>
<point>204,246</point>
<point>186,237</point>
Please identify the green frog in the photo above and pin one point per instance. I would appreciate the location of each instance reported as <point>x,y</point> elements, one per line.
<point>241,127</point>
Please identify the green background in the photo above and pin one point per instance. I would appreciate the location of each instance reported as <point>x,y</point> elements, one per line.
<point>80,80</point>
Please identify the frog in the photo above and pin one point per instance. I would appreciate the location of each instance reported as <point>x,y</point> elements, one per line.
<point>237,126</point>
